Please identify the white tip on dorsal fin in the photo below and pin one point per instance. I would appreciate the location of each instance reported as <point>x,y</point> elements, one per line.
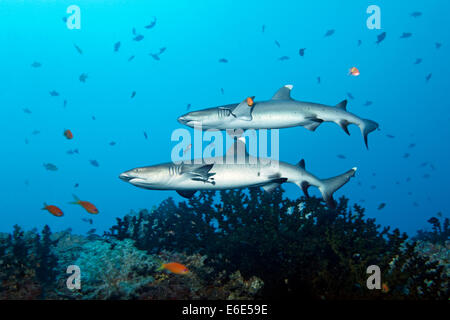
<point>283,93</point>
<point>354,168</point>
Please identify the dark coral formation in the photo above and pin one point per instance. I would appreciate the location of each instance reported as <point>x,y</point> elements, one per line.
<point>237,245</point>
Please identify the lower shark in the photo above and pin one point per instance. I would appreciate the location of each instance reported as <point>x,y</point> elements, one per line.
<point>219,174</point>
<point>280,112</point>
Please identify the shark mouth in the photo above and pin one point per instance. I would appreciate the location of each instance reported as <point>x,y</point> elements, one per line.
<point>189,122</point>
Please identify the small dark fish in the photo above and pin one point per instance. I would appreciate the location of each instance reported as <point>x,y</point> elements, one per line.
<point>130,58</point>
<point>329,33</point>
<point>373,187</point>
<point>428,77</point>
<point>93,117</point>
<point>83,77</point>
<point>318,80</point>
<point>94,163</point>
<point>406,155</point>
<point>438,45</point>
<point>73,151</point>
<point>423,164</point>
<point>408,179</point>
<point>26,141</point>
<point>341,156</point>
<point>411,145</point>
<point>277,43</point>
<point>301,52</point>
<point>155,56</point>
<point>35,132</point>
<point>350,95</point>
<point>112,143</point>
<point>263,28</point>
<point>432,167</point>
<point>188,106</point>
<point>416,14</point>
<point>78,49</point>
<point>50,167</point>
<point>26,110</point>
<point>36,64</point>
<point>223,60</point>
<point>380,37</point>
<point>161,50</point>
<point>418,60</point>
<point>139,37</point>
<point>368,103</point>
<point>221,90</point>
<point>90,221</point>
<point>116,46</point>
<point>133,94</point>
<point>283,58</point>
<point>359,43</point>
<point>426,176</point>
<point>406,35</point>
<point>390,136</point>
<point>415,204</point>
<point>397,182</point>
<point>152,24</point>
<point>134,31</point>
<point>145,135</point>
<point>76,185</point>
<point>64,19</point>
<point>54,93</point>
<point>381,206</point>
<point>65,103</point>
<point>409,193</point>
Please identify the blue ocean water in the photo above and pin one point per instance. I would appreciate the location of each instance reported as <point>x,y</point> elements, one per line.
<point>197,34</point>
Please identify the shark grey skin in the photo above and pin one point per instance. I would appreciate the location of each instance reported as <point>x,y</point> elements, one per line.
<point>280,112</point>
<point>220,174</point>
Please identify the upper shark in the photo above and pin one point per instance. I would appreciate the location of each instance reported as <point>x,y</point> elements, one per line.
<point>220,173</point>
<point>280,112</point>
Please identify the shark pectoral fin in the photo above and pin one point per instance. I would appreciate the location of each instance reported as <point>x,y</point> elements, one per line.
<point>199,173</point>
<point>344,125</point>
<point>311,123</point>
<point>283,93</point>
<point>273,184</point>
<point>186,193</point>
<point>243,111</point>
<point>305,185</point>
<point>342,105</point>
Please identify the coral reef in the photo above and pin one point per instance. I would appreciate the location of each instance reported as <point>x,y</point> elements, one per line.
<point>237,245</point>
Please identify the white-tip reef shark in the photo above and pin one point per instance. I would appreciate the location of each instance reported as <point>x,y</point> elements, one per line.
<point>280,112</point>
<point>220,173</point>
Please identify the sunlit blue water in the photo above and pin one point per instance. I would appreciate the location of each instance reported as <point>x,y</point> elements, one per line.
<point>197,34</point>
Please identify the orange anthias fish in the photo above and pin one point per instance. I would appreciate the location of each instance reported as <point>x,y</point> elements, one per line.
<point>174,267</point>
<point>250,101</point>
<point>384,287</point>
<point>68,134</point>
<point>54,210</point>
<point>89,207</point>
<point>354,71</point>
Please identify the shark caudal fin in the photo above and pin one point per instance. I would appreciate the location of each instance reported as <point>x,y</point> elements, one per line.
<point>367,126</point>
<point>329,186</point>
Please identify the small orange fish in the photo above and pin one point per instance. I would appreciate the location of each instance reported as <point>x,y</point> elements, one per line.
<point>54,210</point>
<point>89,207</point>
<point>384,287</point>
<point>68,134</point>
<point>250,101</point>
<point>354,71</point>
<point>174,267</point>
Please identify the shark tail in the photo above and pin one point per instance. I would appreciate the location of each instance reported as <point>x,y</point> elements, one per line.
<point>367,126</point>
<point>329,186</point>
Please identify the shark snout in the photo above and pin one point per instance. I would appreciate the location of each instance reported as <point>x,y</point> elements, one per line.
<point>189,120</point>
<point>125,176</point>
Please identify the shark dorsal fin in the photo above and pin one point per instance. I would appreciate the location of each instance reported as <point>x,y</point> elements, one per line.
<point>243,110</point>
<point>342,105</point>
<point>283,93</point>
<point>237,148</point>
<point>301,163</point>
